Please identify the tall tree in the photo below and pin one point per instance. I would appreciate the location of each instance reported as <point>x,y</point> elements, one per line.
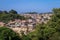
<point>13,12</point>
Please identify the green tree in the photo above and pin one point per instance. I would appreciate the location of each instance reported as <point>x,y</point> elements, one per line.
<point>55,23</point>
<point>25,37</point>
<point>8,34</point>
<point>55,36</point>
<point>13,12</point>
<point>4,12</point>
<point>12,15</point>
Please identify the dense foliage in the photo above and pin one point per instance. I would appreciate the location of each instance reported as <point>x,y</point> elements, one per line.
<point>11,15</point>
<point>49,31</point>
<point>8,34</point>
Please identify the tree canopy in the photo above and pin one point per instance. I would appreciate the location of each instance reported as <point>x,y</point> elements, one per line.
<point>11,15</point>
<point>8,34</point>
<point>49,31</point>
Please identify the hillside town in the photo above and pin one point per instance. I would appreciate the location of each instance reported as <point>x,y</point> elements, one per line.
<point>29,19</point>
<point>27,25</point>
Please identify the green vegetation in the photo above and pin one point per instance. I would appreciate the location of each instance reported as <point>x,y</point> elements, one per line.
<point>11,15</point>
<point>49,31</point>
<point>8,34</point>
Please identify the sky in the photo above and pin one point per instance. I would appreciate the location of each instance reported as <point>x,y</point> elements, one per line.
<point>29,5</point>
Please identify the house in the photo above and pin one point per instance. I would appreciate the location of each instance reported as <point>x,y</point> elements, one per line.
<point>29,24</point>
<point>2,24</point>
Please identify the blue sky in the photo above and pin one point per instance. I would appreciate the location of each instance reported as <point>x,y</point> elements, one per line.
<point>29,5</point>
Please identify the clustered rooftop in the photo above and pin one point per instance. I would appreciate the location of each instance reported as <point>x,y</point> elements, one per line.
<point>29,24</point>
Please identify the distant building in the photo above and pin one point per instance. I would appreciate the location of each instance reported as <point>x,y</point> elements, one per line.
<point>2,24</point>
<point>29,24</point>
